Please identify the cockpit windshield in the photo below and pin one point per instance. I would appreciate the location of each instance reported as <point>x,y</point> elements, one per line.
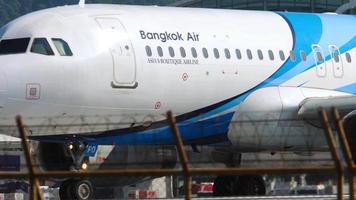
<point>14,46</point>
<point>41,46</point>
<point>62,47</point>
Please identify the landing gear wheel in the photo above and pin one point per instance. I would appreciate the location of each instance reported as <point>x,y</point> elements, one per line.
<point>250,185</point>
<point>224,186</point>
<point>76,189</point>
<point>82,190</point>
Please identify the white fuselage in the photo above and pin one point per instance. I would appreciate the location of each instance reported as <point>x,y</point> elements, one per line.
<point>117,76</point>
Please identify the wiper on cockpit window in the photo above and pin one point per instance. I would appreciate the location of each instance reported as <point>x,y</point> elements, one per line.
<point>14,46</point>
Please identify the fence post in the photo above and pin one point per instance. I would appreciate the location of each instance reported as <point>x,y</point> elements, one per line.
<point>35,193</point>
<point>182,155</point>
<point>346,151</point>
<point>332,145</point>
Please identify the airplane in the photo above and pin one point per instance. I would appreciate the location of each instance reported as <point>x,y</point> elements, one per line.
<point>86,76</point>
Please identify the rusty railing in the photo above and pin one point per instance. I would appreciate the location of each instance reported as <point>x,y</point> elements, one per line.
<point>187,171</point>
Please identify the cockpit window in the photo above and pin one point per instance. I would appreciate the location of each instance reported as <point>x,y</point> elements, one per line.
<point>62,47</point>
<point>41,46</point>
<point>14,46</point>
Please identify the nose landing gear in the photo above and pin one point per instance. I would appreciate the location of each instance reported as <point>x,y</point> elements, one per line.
<point>77,189</point>
<point>77,152</point>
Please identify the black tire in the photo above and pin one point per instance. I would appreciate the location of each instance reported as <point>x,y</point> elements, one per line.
<point>224,186</point>
<point>250,185</point>
<point>82,190</point>
<point>64,190</point>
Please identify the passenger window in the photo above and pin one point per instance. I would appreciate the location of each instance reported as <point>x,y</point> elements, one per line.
<point>194,52</point>
<point>182,52</point>
<point>227,53</point>
<point>303,55</point>
<point>238,54</point>
<point>334,52</point>
<point>318,55</point>
<point>281,55</point>
<point>205,53</point>
<point>171,51</point>
<point>148,51</point>
<point>260,54</point>
<point>348,57</point>
<point>249,54</point>
<point>14,46</point>
<point>270,54</point>
<point>160,51</point>
<point>41,46</point>
<point>62,47</point>
<point>336,57</point>
<point>216,53</point>
<point>292,56</point>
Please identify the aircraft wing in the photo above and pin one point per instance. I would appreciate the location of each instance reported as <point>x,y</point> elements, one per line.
<point>309,108</point>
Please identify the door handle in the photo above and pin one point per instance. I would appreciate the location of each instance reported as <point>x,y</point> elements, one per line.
<point>117,86</point>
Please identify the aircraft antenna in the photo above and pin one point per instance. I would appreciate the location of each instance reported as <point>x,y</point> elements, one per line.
<point>82,3</point>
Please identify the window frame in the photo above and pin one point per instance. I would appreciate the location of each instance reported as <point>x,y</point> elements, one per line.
<point>64,42</point>
<point>205,52</point>
<point>292,56</point>
<point>48,45</point>
<point>194,52</point>
<point>335,53</point>
<point>182,51</point>
<point>319,57</point>
<point>160,52</point>
<point>348,57</point>
<point>271,55</point>
<point>171,52</point>
<point>238,54</point>
<point>260,54</point>
<point>282,55</point>
<point>249,54</point>
<point>148,50</point>
<point>303,55</point>
<point>227,53</point>
<point>24,51</point>
<point>216,53</point>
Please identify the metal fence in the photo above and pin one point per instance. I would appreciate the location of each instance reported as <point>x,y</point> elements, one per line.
<point>187,171</point>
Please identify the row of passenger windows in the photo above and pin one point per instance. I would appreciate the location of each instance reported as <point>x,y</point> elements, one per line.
<point>238,53</point>
<point>39,46</point>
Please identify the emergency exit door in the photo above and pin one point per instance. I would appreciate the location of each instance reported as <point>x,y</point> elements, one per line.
<point>122,53</point>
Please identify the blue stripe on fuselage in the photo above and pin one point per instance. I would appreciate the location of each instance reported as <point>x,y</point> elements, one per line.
<point>210,128</point>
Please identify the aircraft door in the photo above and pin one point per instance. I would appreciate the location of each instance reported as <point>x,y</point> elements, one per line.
<point>337,61</point>
<point>122,52</point>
